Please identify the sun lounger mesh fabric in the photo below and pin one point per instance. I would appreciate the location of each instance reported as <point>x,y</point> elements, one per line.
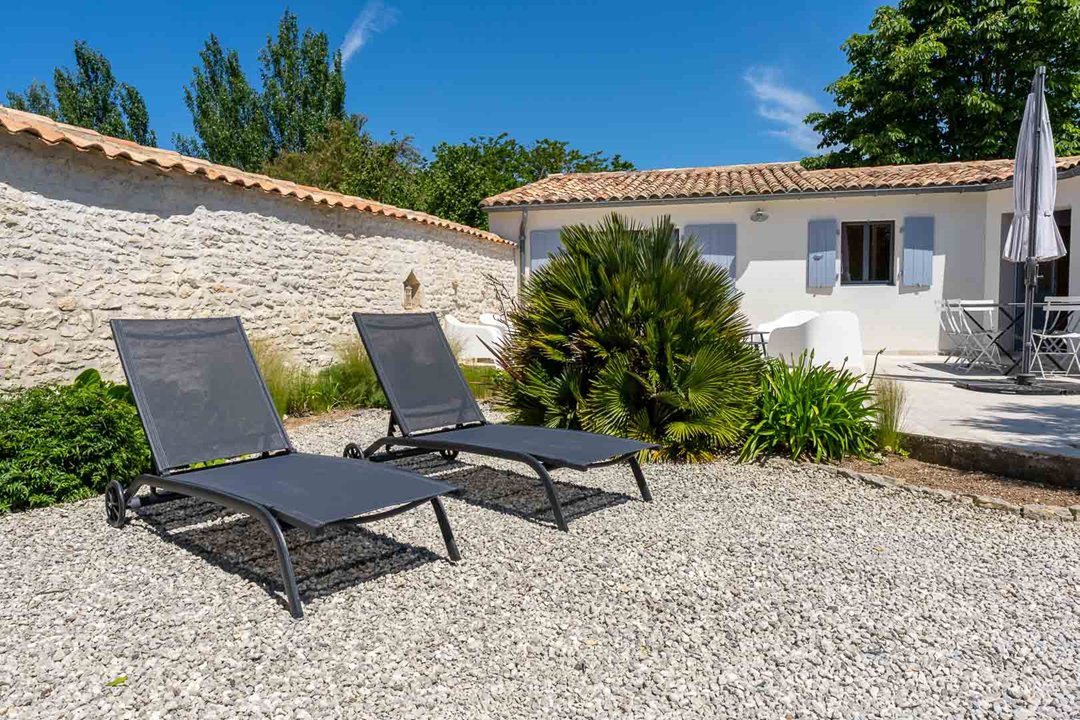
<point>316,490</point>
<point>198,390</point>
<point>418,371</point>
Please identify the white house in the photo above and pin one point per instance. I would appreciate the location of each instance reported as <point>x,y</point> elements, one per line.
<point>884,242</point>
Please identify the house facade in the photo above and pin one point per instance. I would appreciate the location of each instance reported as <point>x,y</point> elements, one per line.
<point>886,243</point>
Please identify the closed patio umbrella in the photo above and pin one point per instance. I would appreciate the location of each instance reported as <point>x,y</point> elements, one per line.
<point>1033,236</point>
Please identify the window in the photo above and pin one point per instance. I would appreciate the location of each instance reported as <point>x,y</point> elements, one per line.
<point>542,245</point>
<point>866,253</point>
<point>716,243</point>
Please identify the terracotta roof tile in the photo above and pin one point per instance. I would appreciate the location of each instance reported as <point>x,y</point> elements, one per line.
<point>52,132</point>
<point>754,180</point>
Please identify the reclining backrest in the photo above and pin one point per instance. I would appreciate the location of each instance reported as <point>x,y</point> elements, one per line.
<point>417,371</point>
<point>199,393</point>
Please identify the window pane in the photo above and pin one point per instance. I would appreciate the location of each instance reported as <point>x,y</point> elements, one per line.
<point>851,252</point>
<point>881,252</point>
<point>542,245</point>
<point>716,243</point>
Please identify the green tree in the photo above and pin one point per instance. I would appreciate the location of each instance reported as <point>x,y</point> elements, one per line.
<point>461,175</point>
<point>303,92</point>
<point>90,97</point>
<point>547,157</point>
<point>227,113</point>
<point>630,334</point>
<point>296,128</point>
<point>933,81</point>
<point>347,159</point>
<point>37,99</point>
<point>303,86</point>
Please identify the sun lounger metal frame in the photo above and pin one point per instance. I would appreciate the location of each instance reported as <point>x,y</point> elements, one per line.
<point>419,440</point>
<point>169,481</point>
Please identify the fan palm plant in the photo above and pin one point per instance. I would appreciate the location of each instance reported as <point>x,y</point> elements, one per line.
<point>630,333</point>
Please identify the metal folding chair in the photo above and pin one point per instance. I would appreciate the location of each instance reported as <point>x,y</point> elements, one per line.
<point>1060,333</point>
<point>948,321</point>
<point>979,323</point>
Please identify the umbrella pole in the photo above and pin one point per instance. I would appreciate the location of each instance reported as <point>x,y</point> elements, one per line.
<point>1031,265</point>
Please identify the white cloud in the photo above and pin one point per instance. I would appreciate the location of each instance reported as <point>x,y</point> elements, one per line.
<point>784,105</point>
<point>375,17</point>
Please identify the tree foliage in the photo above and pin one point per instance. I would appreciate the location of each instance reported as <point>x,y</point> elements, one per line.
<point>37,99</point>
<point>291,123</point>
<point>90,96</point>
<point>227,113</point>
<point>628,333</point>
<point>347,159</point>
<point>302,93</point>
<point>461,175</point>
<point>934,81</point>
<point>303,86</point>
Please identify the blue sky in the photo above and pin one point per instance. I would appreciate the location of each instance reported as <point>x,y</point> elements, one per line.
<point>664,84</point>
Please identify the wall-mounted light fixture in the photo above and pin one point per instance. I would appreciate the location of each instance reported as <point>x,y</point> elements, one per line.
<point>759,215</point>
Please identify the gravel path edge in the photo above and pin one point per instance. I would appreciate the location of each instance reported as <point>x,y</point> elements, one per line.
<point>1033,511</point>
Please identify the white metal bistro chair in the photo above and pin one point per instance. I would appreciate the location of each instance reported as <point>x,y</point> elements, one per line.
<point>1060,333</point>
<point>956,348</point>
<point>978,322</point>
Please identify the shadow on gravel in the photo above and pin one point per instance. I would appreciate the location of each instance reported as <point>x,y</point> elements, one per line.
<point>517,494</point>
<point>337,558</point>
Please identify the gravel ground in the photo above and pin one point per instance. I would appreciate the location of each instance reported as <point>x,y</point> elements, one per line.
<point>744,592</point>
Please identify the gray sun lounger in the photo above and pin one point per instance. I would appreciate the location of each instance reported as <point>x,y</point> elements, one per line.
<point>201,399</point>
<point>434,409</point>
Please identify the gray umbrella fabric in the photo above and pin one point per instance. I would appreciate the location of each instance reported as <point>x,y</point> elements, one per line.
<point>1048,243</point>
<point>1033,235</point>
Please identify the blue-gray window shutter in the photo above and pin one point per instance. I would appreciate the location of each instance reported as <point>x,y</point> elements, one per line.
<point>918,267</point>
<point>716,242</point>
<point>821,253</point>
<point>542,245</point>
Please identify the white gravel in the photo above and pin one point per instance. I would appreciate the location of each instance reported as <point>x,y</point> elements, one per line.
<point>743,592</point>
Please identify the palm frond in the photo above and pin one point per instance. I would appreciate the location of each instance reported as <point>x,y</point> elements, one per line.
<point>629,333</point>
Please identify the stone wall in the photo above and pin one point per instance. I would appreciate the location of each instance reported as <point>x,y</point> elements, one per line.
<point>84,239</point>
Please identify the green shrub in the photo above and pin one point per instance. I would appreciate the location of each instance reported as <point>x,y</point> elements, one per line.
<point>812,410</point>
<point>629,333</point>
<point>351,379</point>
<point>277,372</point>
<point>483,380</point>
<point>349,382</point>
<point>60,443</point>
<point>891,408</point>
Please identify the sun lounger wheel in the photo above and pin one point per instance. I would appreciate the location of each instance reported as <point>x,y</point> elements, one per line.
<point>449,455</point>
<point>352,450</point>
<point>115,505</point>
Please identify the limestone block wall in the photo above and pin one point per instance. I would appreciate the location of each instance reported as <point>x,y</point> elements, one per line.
<point>84,239</point>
